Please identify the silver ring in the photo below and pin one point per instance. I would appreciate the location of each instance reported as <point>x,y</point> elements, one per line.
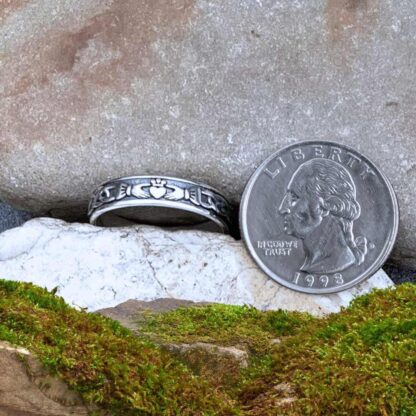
<point>159,200</point>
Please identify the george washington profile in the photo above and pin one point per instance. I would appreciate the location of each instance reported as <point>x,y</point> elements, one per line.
<point>320,207</point>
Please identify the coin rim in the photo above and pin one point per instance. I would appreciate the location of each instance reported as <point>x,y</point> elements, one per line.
<point>372,270</point>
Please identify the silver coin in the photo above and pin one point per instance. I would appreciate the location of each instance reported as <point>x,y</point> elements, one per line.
<point>319,217</point>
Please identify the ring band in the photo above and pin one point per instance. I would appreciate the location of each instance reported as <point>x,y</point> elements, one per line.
<point>159,200</point>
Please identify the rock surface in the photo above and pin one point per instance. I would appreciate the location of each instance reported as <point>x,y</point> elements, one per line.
<point>203,89</point>
<point>26,389</point>
<point>210,361</point>
<point>236,354</point>
<point>101,267</point>
<point>10,217</point>
<point>129,312</point>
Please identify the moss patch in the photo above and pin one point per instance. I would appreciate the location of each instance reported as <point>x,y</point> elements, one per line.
<point>224,325</point>
<point>101,360</point>
<point>361,361</point>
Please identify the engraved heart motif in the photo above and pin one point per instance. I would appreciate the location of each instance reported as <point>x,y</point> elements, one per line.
<point>157,192</point>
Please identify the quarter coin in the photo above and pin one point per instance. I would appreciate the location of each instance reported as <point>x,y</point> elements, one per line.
<point>319,217</point>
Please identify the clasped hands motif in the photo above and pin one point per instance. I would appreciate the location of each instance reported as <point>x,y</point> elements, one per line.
<point>158,189</point>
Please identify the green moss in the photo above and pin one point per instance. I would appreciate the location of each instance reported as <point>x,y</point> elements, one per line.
<point>361,361</point>
<point>224,325</point>
<point>103,361</point>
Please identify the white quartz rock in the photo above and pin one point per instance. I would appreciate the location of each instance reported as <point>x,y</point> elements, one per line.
<point>101,267</point>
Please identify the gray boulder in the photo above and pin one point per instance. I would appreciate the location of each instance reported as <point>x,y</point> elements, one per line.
<point>200,89</point>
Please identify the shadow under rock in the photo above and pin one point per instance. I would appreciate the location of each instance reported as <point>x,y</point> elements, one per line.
<point>11,217</point>
<point>400,274</point>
